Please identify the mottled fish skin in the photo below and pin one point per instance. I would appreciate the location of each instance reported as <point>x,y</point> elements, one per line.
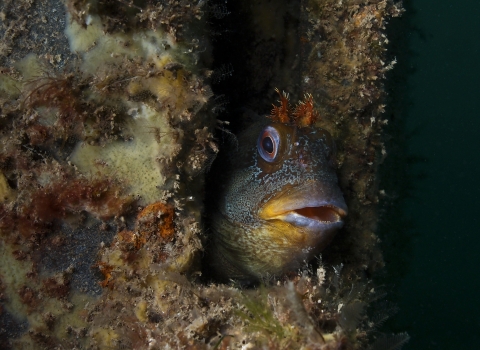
<point>271,216</point>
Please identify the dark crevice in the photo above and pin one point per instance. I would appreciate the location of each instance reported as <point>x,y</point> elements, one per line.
<point>257,42</point>
<point>396,178</point>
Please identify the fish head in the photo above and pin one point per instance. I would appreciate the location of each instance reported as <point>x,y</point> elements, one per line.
<point>305,192</point>
<point>281,198</point>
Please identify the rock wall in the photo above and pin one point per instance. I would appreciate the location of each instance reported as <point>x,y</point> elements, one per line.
<point>108,130</point>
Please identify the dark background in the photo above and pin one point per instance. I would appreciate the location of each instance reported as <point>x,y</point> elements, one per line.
<point>430,225</point>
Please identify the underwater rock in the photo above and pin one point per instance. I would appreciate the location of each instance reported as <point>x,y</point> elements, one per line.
<point>107,126</point>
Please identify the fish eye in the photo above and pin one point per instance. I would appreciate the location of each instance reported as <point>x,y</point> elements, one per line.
<point>268,142</point>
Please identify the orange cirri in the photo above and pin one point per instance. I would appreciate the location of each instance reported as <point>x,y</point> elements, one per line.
<point>281,113</point>
<point>303,115</point>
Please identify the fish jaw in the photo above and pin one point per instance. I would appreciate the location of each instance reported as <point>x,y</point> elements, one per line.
<point>311,208</point>
<point>331,218</point>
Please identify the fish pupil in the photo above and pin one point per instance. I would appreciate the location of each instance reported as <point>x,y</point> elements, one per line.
<point>267,144</point>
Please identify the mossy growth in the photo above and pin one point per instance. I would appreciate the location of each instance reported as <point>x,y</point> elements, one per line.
<point>104,146</point>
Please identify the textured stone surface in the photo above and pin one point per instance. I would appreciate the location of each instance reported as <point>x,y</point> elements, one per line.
<point>106,133</point>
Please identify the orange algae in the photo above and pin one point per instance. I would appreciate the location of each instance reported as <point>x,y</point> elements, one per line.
<point>156,219</point>
<point>106,271</point>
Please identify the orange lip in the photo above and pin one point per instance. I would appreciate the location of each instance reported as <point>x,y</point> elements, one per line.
<point>310,202</point>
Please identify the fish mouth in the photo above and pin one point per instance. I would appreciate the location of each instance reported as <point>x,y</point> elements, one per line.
<point>324,216</point>
<point>311,207</point>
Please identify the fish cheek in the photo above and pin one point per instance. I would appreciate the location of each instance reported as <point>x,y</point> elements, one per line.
<point>268,168</point>
<point>328,144</point>
<point>287,236</point>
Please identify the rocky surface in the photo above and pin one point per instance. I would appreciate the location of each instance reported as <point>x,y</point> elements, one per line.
<point>107,129</point>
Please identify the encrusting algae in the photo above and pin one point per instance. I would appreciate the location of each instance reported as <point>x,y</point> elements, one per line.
<point>107,130</point>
